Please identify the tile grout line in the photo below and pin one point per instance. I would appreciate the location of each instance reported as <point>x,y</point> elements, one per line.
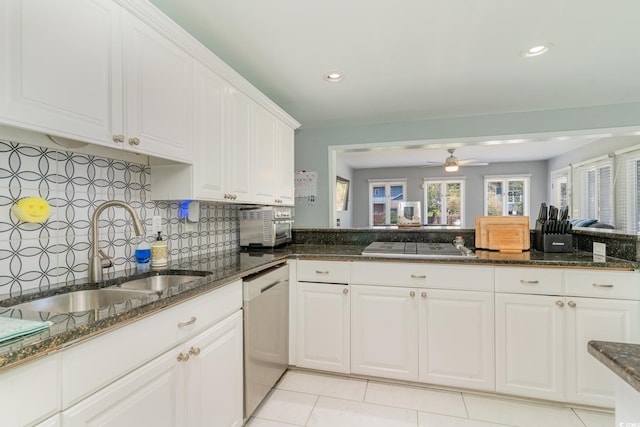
<point>312,409</point>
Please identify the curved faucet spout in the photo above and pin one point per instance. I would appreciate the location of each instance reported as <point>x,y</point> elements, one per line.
<point>98,259</point>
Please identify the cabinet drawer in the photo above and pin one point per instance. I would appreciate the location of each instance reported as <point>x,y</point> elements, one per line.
<point>603,284</point>
<point>323,271</point>
<point>545,281</point>
<point>410,274</point>
<point>93,364</point>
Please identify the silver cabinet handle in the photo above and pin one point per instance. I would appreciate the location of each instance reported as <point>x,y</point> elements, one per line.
<point>345,291</point>
<point>423,295</point>
<point>188,322</point>
<point>602,285</point>
<point>183,357</point>
<point>418,276</point>
<point>412,294</point>
<point>194,351</point>
<point>322,272</point>
<point>571,304</point>
<point>559,303</point>
<point>134,141</point>
<point>529,282</point>
<point>118,138</point>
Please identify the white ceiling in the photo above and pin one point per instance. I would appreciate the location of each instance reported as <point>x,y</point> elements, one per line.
<point>419,59</point>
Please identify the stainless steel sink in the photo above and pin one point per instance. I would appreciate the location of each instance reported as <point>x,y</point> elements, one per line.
<point>91,299</point>
<point>159,282</point>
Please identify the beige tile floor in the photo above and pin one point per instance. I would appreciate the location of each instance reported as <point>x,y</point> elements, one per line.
<point>317,400</point>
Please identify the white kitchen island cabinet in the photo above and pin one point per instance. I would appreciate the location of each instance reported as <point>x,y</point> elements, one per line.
<point>456,338</point>
<point>384,337</point>
<point>323,326</point>
<point>530,345</point>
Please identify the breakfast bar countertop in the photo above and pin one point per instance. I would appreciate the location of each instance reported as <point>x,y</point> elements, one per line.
<point>622,358</point>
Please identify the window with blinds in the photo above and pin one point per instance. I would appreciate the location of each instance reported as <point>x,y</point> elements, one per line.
<point>628,193</point>
<point>596,192</point>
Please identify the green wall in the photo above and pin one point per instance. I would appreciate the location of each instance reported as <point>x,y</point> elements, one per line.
<point>311,148</point>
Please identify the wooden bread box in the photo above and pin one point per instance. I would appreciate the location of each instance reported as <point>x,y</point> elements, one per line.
<point>507,234</point>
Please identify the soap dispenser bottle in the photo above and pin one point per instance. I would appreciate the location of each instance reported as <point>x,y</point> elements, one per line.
<point>159,252</point>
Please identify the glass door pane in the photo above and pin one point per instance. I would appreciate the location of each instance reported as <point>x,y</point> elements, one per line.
<point>434,203</point>
<point>515,198</point>
<point>454,214</point>
<point>397,196</point>
<point>379,199</point>
<point>495,191</point>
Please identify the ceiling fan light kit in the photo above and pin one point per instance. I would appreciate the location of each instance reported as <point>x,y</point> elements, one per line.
<point>451,164</point>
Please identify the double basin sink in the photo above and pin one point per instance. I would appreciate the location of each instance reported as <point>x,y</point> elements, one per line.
<point>93,299</point>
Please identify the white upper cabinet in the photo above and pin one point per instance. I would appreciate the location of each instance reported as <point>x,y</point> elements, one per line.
<point>239,141</point>
<point>284,165</point>
<point>91,71</point>
<point>57,65</point>
<point>264,156</point>
<point>157,87</point>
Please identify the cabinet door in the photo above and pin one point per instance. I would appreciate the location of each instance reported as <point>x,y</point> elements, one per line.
<point>158,93</point>
<point>51,422</point>
<point>214,375</point>
<point>529,345</point>
<point>239,144</point>
<point>284,168</point>
<point>323,326</point>
<point>264,152</point>
<point>57,66</point>
<point>209,166</point>
<point>456,338</point>
<point>384,341</point>
<point>588,380</point>
<point>146,397</point>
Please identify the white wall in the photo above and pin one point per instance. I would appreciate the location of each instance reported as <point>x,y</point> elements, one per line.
<point>312,144</point>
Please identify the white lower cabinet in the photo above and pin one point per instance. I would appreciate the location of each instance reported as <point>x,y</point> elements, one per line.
<point>196,384</point>
<point>541,345</point>
<point>384,337</point>
<point>588,380</point>
<point>323,326</point>
<point>456,338</point>
<point>530,345</point>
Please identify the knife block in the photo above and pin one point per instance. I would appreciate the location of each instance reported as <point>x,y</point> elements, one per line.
<point>558,242</point>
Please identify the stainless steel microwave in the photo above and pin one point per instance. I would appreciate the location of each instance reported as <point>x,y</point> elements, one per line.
<point>265,226</point>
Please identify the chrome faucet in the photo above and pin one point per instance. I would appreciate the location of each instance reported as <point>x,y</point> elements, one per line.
<point>98,259</point>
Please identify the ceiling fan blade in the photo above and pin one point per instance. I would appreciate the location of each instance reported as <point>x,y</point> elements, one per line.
<point>472,162</point>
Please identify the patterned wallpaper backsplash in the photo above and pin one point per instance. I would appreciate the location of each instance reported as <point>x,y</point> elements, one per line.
<point>36,255</point>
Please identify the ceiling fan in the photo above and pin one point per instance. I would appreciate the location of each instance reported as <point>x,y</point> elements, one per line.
<point>452,163</point>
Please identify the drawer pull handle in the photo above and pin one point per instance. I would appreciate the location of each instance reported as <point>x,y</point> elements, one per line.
<point>571,304</point>
<point>529,282</point>
<point>424,295</point>
<point>559,303</point>
<point>322,272</point>
<point>345,291</point>
<point>187,323</point>
<point>412,294</point>
<point>602,285</point>
<point>418,276</point>
<point>183,357</point>
<point>194,351</point>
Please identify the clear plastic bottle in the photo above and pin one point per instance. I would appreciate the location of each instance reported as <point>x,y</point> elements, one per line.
<point>143,256</point>
<point>159,253</point>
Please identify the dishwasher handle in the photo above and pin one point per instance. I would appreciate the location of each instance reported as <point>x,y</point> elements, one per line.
<point>260,283</point>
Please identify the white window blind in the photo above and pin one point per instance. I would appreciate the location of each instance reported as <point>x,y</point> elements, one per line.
<point>627,192</point>
<point>595,197</point>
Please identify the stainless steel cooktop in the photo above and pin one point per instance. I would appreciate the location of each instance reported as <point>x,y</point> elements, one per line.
<point>416,250</point>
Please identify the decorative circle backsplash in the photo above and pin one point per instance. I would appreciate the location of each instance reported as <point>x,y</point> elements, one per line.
<point>35,255</point>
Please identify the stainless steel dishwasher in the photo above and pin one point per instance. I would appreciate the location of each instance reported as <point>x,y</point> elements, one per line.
<point>266,333</point>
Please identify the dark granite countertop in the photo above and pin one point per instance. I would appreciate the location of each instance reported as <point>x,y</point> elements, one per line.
<point>623,359</point>
<point>219,270</point>
<point>70,328</point>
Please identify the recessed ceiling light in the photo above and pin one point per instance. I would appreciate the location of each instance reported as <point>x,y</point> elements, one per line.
<point>333,77</point>
<point>537,50</point>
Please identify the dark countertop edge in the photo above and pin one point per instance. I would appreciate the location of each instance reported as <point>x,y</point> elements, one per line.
<point>81,333</point>
<point>622,358</point>
<point>329,252</point>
